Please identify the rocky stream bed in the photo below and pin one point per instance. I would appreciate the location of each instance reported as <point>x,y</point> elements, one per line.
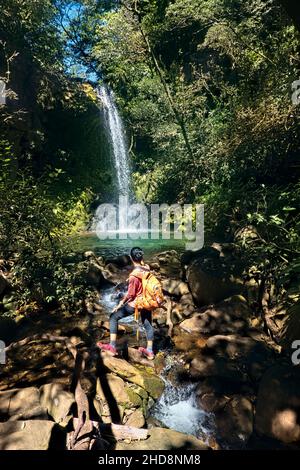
<point>218,380</point>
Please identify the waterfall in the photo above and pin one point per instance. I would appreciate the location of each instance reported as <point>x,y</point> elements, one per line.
<point>115,131</point>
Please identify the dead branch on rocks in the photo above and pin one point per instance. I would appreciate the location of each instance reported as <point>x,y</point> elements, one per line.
<point>37,337</point>
<point>169,322</point>
<point>82,436</point>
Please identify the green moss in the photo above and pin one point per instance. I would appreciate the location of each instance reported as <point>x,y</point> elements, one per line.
<point>133,397</point>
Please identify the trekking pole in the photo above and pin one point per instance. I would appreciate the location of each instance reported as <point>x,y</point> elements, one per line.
<point>136,318</point>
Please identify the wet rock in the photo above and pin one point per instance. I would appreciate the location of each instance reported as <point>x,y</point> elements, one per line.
<point>27,435</point>
<point>258,360</point>
<point>57,402</point>
<point>278,404</point>
<point>225,386</point>
<point>234,421</point>
<point>150,382</point>
<point>208,400</point>
<point>164,439</point>
<point>23,403</point>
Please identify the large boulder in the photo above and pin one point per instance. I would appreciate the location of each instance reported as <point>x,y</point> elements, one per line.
<point>175,287</point>
<point>164,439</point>
<point>211,279</point>
<point>98,274</point>
<point>111,391</point>
<point>209,399</point>
<point>213,366</point>
<point>27,435</point>
<point>120,261</point>
<point>24,403</point>
<point>278,404</point>
<point>57,402</point>
<point>168,263</point>
<point>150,382</point>
<point>235,421</point>
<point>212,393</point>
<point>230,344</point>
<point>229,316</point>
<point>94,274</point>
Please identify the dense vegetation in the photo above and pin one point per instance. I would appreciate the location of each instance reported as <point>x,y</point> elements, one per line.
<point>204,87</point>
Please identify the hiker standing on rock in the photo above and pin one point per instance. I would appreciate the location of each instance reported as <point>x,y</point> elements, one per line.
<point>143,296</point>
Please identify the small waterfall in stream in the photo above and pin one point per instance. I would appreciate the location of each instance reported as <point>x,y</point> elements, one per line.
<point>116,134</point>
<point>177,408</point>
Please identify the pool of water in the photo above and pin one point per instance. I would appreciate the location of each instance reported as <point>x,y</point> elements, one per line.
<point>90,241</point>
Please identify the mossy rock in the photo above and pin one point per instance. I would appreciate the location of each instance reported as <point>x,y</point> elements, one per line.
<point>135,399</point>
<point>153,384</point>
<point>140,391</point>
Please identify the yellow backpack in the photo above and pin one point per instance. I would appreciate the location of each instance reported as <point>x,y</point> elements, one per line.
<point>152,295</point>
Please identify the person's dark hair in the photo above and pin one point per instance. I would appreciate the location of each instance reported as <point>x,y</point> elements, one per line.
<point>137,254</point>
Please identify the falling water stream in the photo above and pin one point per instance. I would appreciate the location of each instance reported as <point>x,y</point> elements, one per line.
<point>116,134</point>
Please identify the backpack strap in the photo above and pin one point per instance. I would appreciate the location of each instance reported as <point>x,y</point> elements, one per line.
<point>138,272</point>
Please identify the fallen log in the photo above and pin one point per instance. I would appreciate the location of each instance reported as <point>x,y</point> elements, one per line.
<point>119,432</point>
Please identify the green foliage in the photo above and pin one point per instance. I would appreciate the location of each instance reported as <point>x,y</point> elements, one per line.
<point>228,66</point>
<point>204,87</point>
<point>35,234</point>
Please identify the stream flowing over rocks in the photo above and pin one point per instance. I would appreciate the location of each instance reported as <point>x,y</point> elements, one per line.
<point>217,381</point>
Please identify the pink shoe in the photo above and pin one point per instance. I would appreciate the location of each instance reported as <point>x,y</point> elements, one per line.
<point>107,347</point>
<point>146,353</point>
